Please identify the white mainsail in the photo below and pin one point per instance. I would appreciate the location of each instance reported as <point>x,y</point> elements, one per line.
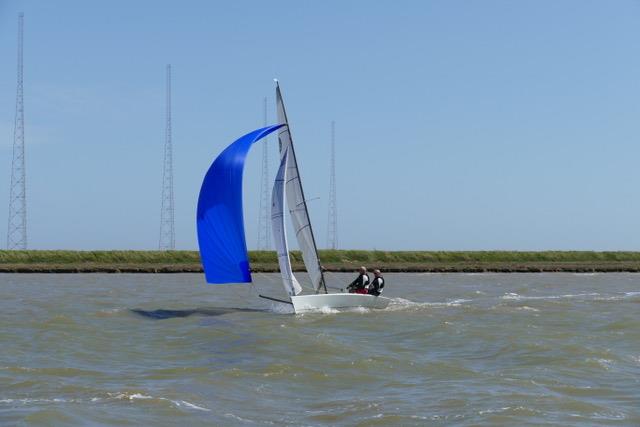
<point>296,201</point>
<point>291,285</point>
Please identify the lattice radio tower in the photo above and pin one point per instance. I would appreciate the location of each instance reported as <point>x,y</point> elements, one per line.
<point>332,228</point>
<point>167,223</point>
<point>264,231</point>
<point>17,227</point>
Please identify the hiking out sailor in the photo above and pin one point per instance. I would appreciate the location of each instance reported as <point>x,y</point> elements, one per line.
<point>375,288</point>
<point>359,286</point>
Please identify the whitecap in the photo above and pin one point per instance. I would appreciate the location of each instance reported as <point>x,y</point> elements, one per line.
<point>610,415</point>
<point>192,406</point>
<point>30,400</point>
<point>140,396</point>
<point>281,308</point>
<point>527,308</point>
<point>620,296</point>
<point>398,304</point>
<point>459,301</point>
<point>129,396</point>
<point>603,363</point>
<point>494,411</point>
<point>513,296</point>
<point>235,417</point>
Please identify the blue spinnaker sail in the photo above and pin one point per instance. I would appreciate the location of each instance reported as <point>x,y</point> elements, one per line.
<point>223,249</point>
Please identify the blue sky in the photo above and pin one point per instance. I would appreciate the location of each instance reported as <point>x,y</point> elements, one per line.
<point>459,124</point>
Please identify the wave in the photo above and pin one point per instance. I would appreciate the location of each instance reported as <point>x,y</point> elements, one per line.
<point>26,401</point>
<point>527,308</point>
<point>620,297</point>
<point>110,397</point>
<point>517,297</point>
<point>399,304</point>
<point>237,418</point>
<point>53,371</point>
<point>140,396</point>
<point>403,304</point>
<point>109,312</point>
<point>596,296</point>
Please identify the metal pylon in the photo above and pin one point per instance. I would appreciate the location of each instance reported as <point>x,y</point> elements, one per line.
<point>332,228</point>
<point>17,224</point>
<point>264,231</point>
<point>167,222</point>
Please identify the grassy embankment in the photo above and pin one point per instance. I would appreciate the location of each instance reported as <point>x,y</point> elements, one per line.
<point>342,260</point>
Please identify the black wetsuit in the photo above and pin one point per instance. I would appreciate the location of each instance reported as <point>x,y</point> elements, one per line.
<point>358,284</point>
<point>376,286</point>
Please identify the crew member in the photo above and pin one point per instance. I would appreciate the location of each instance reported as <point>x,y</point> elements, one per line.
<point>375,288</point>
<point>359,286</point>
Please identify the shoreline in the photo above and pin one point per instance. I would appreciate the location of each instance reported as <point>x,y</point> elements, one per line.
<point>333,261</point>
<point>443,270</point>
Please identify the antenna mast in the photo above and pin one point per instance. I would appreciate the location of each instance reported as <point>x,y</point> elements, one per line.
<point>332,229</point>
<point>264,233</point>
<point>167,222</point>
<point>17,224</point>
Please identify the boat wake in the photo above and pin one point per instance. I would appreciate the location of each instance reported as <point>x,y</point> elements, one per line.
<point>517,297</point>
<point>395,304</point>
<point>402,304</point>
<point>594,296</point>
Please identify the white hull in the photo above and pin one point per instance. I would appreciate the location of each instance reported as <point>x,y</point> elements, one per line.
<point>318,302</point>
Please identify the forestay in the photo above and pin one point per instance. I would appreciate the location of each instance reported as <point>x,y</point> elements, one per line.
<point>223,249</point>
<point>291,285</point>
<point>296,202</point>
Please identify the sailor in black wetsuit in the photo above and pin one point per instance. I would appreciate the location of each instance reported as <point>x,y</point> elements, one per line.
<point>375,288</point>
<point>359,286</point>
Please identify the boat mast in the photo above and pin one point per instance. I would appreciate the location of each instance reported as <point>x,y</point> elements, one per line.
<point>304,199</point>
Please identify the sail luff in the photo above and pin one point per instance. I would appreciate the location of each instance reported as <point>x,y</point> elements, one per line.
<point>290,283</point>
<point>297,202</point>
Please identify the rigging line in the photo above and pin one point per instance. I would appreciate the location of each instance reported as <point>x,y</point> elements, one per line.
<point>275,299</point>
<point>276,281</point>
<point>334,278</point>
<point>252,287</point>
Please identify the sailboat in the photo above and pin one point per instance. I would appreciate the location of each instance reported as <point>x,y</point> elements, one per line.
<point>220,224</point>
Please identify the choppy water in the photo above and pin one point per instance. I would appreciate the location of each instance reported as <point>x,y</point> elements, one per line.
<point>456,349</point>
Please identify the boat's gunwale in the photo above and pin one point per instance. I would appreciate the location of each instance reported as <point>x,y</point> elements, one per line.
<point>299,301</point>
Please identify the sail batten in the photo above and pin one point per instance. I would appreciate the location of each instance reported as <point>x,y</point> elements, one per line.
<point>296,201</point>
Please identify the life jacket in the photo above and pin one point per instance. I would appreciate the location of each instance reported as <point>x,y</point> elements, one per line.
<point>376,286</point>
<point>361,282</point>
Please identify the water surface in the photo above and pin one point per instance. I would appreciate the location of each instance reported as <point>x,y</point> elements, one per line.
<point>452,349</point>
